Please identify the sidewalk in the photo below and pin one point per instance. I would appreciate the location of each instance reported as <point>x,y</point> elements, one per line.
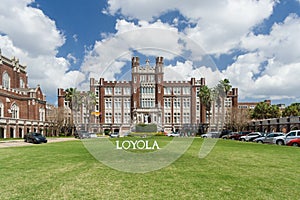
<point>16,143</point>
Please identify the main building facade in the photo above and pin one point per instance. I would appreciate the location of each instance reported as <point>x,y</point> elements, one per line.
<point>148,99</point>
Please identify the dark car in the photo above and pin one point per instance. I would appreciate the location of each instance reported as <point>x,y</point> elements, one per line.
<point>35,138</point>
<point>237,135</point>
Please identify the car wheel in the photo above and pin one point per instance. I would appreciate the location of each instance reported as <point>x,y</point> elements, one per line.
<point>295,144</point>
<point>279,142</point>
<point>259,141</point>
<point>232,139</point>
<point>243,140</point>
<point>225,138</point>
<point>204,137</point>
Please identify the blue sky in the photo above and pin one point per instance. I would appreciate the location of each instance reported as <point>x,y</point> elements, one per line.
<point>64,43</point>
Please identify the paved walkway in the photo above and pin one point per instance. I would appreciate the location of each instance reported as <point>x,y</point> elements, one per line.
<point>16,143</point>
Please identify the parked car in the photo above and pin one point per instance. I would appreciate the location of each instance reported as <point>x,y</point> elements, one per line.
<point>250,137</point>
<point>268,138</point>
<point>82,134</point>
<point>173,134</point>
<point>294,142</point>
<point>227,136</point>
<point>237,135</point>
<point>282,140</point>
<point>35,138</point>
<point>211,135</point>
<point>114,135</point>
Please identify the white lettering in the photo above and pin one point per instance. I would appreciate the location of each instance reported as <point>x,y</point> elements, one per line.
<point>155,145</point>
<point>123,144</point>
<point>137,144</point>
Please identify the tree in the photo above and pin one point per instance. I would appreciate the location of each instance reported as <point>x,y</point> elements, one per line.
<point>205,96</point>
<point>264,111</point>
<point>237,119</point>
<point>74,98</point>
<point>89,101</point>
<point>292,110</point>
<point>220,93</point>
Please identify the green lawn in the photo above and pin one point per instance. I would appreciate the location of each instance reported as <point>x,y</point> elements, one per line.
<point>233,170</point>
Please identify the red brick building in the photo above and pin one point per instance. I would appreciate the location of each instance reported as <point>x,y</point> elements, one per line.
<point>148,99</point>
<point>22,109</point>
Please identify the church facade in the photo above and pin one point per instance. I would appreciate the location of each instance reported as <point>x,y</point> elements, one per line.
<point>22,109</point>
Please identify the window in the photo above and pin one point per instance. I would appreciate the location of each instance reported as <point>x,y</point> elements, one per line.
<point>127,103</point>
<point>227,102</point>
<point>117,103</point>
<point>118,91</point>
<point>147,90</point>
<point>176,117</point>
<point>108,117</point>
<point>167,103</point>
<point>14,111</point>
<point>176,103</point>
<point>186,103</point>
<point>5,80</point>
<point>97,92</point>
<point>186,118</point>
<point>143,78</point>
<point>108,103</point>
<point>42,114</point>
<point>1,109</point>
<point>127,91</point>
<point>167,118</point>
<point>177,90</point>
<point>134,79</point>
<point>198,106</point>
<point>108,91</point>
<point>147,103</point>
<point>168,90</point>
<point>127,118</point>
<point>186,91</point>
<point>151,78</point>
<point>22,84</point>
<point>117,118</point>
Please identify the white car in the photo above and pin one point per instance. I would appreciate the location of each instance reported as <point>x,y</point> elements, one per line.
<point>211,135</point>
<point>173,134</point>
<point>282,140</point>
<point>250,136</point>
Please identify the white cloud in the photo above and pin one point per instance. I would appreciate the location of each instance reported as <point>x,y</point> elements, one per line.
<point>271,67</point>
<point>220,24</point>
<point>31,36</point>
<point>109,55</point>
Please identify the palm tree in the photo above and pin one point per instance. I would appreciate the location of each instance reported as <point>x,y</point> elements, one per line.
<point>205,96</point>
<point>221,92</point>
<point>89,102</point>
<point>74,99</point>
<point>292,110</point>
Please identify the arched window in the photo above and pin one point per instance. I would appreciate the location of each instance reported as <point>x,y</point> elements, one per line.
<point>42,114</point>
<point>1,109</point>
<point>14,111</point>
<point>5,80</point>
<point>22,84</point>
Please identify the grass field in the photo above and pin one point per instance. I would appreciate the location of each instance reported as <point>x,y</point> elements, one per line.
<point>233,170</point>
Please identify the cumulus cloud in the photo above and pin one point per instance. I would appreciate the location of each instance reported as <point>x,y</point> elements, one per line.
<point>269,60</point>
<point>271,64</point>
<point>28,34</point>
<point>219,24</point>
